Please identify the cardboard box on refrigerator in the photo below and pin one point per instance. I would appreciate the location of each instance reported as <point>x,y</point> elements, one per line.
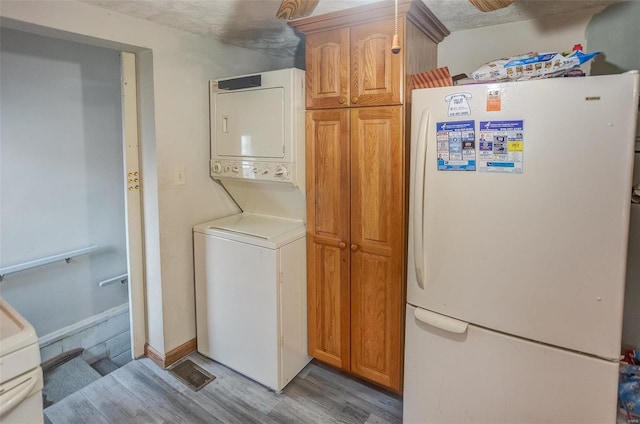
<point>439,77</point>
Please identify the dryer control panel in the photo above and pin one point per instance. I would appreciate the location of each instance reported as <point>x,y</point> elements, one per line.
<point>253,170</point>
<point>258,127</point>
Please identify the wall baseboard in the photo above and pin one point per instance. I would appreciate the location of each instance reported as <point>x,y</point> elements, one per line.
<point>173,355</point>
<point>154,355</point>
<point>181,351</point>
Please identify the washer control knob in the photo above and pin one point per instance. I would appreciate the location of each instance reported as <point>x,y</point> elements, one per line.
<point>235,169</point>
<point>227,168</point>
<point>265,171</point>
<point>217,167</point>
<point>255,169</point>
<point>281,171</point>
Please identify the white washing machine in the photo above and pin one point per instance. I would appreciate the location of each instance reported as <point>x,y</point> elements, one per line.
<point>251,297</point>
<point>20,372</point>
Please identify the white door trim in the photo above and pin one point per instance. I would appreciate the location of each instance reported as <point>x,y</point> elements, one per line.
<point>133,204</point>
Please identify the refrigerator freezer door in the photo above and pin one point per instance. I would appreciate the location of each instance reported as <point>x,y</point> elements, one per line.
<point>541,254</point>
<point>482,376</point>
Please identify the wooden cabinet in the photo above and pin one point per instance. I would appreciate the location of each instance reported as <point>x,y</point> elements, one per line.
<point>376,73</point>
<point>377,244</point>
<point>328,213</point>
<point>353,67</point>
<point>358,110</point>
<point>354,244</point>
<point>327,69</point>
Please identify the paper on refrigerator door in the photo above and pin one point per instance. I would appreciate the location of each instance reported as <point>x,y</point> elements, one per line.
<point>501,146</point>
<point>456,146</point>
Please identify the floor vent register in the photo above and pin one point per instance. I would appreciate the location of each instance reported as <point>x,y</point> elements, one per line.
<point>191,375</point>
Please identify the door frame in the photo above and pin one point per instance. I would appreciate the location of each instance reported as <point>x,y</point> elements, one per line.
<point>133,203</point>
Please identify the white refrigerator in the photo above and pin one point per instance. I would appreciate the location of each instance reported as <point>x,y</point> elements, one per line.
<point>518,226</point>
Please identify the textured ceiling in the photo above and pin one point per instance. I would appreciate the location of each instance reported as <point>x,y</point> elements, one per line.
<point>252,23</point>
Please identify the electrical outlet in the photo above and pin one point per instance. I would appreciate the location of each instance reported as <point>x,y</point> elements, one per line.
<point>179,176</point>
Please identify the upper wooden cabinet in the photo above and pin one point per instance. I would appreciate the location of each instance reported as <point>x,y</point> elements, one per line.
<point>353,67</point>
<point>376,73</point>
<point>327,69</point>
<point>348,55</point>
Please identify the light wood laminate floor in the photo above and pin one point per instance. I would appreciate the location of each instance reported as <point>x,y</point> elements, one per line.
<point>142,392</point>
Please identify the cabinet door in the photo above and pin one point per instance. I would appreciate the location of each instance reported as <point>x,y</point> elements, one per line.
<point>327,161</point>
<point>377,244</point>
<point>327,69</point>
<point>376,73</point>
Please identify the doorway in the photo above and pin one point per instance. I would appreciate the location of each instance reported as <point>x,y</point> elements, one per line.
<point>66,110</point>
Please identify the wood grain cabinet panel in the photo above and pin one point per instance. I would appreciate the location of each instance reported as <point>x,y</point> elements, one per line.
<point>376,73</point>
<point>328,259</point>
<point>353,67</point>
<point>327,69</point>
<point>377,259</point>
<point>355,221</point>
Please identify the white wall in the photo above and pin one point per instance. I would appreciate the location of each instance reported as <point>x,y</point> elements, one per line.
<point>615,32</point>
<point>62,184</point>
<point>175,67</point>
<point>465,51</point>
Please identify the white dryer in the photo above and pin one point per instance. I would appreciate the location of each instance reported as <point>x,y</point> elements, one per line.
<point>20,372</point>
<point>251,303</point>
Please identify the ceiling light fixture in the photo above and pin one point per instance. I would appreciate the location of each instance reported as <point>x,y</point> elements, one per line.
<point>294,9</point>
<point>490,5</point>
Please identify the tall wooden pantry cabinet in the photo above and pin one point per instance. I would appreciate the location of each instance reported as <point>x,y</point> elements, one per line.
<point>357,147</point>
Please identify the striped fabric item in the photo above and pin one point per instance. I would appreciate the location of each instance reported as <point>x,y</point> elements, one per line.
<point>435,78</point>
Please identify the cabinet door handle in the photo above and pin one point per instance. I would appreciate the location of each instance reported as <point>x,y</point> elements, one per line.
<point>354,99</point>
<point>354,247</point>
<point>342,100</point>
<point>342,245</point>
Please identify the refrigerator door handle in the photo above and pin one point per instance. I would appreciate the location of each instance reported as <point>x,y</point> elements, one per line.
<point>418,197</point>
<point>441,321</point>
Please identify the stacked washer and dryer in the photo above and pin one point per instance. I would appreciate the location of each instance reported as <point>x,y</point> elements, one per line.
<point>250,268</point>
